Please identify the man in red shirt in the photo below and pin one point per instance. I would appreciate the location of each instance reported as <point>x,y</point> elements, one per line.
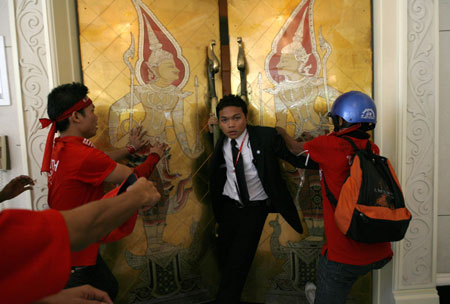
<point>77,172</point>
<point>37,242</point>
<point>342,260</point>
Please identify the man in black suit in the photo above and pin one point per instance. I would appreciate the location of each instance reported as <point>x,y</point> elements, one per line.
<point>246,185</point>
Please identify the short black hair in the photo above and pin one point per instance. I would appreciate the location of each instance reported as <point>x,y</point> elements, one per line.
<point>63,98</point>
<point>231,101</point>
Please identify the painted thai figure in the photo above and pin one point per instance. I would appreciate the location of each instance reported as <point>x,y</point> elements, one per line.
<point>158,105</point>
<point>300,92</point>
<point>293,66</point>
<point>160,97</point>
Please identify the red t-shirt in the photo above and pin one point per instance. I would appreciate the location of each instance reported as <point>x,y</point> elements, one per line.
<point>333,154</point>
<point>77,173</point>
<point>35,255</point>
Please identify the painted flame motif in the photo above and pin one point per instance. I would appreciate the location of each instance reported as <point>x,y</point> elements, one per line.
<point>297,35</point>
<point>156,44</point>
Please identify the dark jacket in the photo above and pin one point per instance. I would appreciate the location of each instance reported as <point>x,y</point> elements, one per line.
<point>267,147</point>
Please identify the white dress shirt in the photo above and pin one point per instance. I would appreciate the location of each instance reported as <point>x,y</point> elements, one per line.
<point>255,189</point>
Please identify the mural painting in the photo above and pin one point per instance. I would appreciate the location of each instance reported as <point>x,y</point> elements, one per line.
<point>162,72</point>
<point>145,64</point>
<point>294,67</point>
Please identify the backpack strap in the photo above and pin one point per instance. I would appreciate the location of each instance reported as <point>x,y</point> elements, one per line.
<point>330,195</point>
<point>368,145</point>
<point>351,142</point>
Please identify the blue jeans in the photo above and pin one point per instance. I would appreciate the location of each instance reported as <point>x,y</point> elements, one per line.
<point>335,280</point>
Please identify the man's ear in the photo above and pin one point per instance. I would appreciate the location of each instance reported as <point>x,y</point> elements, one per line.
<point>75,117</point>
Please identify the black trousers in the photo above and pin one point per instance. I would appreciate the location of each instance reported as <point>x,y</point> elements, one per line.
<point>98,275</point>
<point>239,234</point>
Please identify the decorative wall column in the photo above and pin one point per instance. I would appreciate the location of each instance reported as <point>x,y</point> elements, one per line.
<point>32,51</point>
<point>46,54</point>
<point>420,162</point>
<point>407,42</point>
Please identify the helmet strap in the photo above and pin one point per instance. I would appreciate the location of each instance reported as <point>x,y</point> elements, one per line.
<point>348,130</point>
<point>337,126</point>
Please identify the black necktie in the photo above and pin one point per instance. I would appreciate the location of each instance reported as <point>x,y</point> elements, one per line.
<point>241,187</point>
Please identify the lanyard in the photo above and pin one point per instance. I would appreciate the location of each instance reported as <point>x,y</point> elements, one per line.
<point>239,152</point>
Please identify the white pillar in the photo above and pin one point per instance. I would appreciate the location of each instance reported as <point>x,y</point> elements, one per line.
<point>406,46</point>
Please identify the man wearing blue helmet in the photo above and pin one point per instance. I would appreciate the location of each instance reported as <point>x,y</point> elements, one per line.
<point>351,109</point>
<point>342,259</point>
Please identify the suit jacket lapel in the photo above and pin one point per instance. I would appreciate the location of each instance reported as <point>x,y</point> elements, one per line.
<point>257,151</point>
<point>218,157</point>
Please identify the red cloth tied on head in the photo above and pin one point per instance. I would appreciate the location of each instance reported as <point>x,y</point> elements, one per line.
<point>45,122</point>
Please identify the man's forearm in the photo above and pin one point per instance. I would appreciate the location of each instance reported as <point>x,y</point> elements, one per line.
<point>88,223</point>
<point>291,150</point>
<point>294,146</point>
<point>118,154</point>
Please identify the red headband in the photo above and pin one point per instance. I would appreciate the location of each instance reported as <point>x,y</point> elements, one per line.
<point>45,122</point>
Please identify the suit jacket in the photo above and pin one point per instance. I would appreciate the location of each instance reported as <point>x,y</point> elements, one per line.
<point>267,147</point>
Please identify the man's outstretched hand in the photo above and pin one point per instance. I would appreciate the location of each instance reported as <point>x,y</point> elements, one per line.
<point>15,187</point>
<point>78,295</point>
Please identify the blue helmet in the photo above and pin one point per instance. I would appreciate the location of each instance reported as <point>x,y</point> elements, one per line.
<point>355,107</point>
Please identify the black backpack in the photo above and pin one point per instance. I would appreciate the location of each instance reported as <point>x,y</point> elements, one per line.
<point>371,207</point>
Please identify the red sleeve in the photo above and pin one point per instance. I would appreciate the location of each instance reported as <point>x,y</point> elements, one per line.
<point>146,168</point>
<point>35,250</point>
<point>95,167</point>
<point>375,148</point>
<point>122,231</point>
<point>127,227</point>
<point>318,148</point>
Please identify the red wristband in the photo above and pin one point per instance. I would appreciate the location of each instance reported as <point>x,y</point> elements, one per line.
<point>131,149</point>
